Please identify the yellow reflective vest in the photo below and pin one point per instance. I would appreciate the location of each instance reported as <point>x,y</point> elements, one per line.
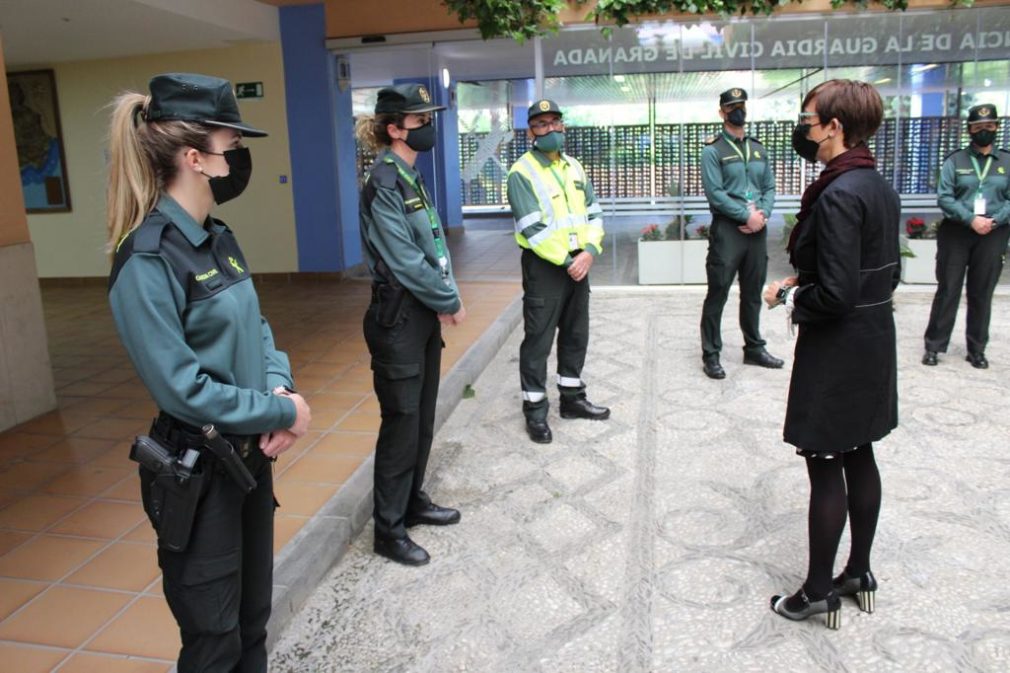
<point>554,207</point>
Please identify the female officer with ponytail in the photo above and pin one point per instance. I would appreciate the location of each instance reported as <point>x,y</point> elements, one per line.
<point>413,295</point>
<point>187,313</point>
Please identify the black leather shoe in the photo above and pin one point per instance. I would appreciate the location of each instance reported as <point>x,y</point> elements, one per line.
<point>862,587</point>
<point>402,550</point>
<point>977,360</point>
<point>713,369</point>
<point>539,431</point>
<point>580,407</point>
<point>763,358</point>
<point>930,359</point>
<point>432,515</point>
<point>830,606</point>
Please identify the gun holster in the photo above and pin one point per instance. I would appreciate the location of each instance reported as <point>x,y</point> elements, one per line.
<point>388,303</point>
<point>171,489</point>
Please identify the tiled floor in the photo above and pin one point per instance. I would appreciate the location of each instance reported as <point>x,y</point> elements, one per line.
<point>80,589</point>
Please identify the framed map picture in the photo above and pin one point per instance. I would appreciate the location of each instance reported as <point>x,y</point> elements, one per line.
<point>39,139</point>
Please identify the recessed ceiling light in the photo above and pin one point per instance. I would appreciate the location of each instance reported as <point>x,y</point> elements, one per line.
<point>884,80</point>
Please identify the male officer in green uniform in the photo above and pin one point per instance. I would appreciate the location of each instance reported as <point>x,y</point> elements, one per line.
<point>974,195</point>
<point>559,226</point>
<point>740,188</point>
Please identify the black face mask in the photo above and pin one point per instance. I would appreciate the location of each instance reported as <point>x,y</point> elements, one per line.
<point>737,117</point>
<point>803,145</point>
<point>422,138</point>
<point>983,138</point>
<point>227,187</point>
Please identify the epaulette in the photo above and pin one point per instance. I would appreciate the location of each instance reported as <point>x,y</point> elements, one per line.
<point>709,141</point>
<point>950,154</point>
<point>384,174</point>
<point>147,237</point>
<point>754,140</point>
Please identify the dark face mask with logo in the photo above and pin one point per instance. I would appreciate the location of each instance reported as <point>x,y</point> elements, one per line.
<point>983,138</point>
<point>803,145</point>
<point>422,138</point>
<point>737,117</point>
<point>227,187</point>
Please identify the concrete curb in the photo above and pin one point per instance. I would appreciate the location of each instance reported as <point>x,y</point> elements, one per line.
<point>321,542</point>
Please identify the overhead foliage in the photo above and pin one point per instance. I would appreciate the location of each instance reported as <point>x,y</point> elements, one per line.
<point>523,19</point>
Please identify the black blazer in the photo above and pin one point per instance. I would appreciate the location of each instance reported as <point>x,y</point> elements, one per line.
<point>843,392</point>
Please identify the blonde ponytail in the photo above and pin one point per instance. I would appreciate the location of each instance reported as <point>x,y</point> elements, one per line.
<point>142,162</point>
<point>132,187</point>
<point>370,130</point>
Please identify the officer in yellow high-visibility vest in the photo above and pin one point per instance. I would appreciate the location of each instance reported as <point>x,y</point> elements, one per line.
<point>559,226</point>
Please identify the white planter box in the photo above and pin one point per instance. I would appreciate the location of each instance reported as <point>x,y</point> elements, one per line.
<point>922,267</point>
<point>672,262</point>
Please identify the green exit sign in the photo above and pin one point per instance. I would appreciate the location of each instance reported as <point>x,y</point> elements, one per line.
<point>249,90</point>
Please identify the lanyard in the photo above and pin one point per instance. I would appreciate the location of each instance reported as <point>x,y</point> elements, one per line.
<point>979,173</point>
<point>432,217</point>
<point>746,161</point>
<point>564,191</point>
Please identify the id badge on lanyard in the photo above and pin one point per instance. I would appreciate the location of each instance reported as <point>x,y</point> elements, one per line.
<point>979,204</point>
<point>573,241</point>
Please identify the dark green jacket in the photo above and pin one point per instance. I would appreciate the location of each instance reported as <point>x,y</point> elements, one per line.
<point>726,176</point>
<point>396,228</point>
<point>959,185</point>
<point>187,312</point>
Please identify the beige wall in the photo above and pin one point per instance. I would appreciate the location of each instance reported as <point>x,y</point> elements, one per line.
<point>26,379</point>
<point>71,244</point>
<point>13,226</point>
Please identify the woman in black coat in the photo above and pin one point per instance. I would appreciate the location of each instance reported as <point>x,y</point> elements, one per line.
<point>843,392</point>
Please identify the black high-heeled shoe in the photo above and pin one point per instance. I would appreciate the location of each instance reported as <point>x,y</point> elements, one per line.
<point>830,606</point>
<point>863,587</point>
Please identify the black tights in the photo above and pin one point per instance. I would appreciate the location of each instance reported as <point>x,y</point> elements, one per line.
<point>847,484</point>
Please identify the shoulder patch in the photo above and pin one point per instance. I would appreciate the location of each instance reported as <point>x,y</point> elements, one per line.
<point>384,175</point>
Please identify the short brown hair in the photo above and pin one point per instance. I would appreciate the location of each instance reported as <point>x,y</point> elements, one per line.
<point>856,105</point>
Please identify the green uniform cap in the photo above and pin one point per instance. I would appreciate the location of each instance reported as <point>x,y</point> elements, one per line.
<point>732,96</point>
<point>196,98</point>
<point>405,99</point>
<point>543,107</point>
<point>982,113</point>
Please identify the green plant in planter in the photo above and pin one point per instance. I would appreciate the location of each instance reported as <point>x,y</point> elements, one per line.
<point>651,233</point>
<point>673,229</point>
<point>787,229</point>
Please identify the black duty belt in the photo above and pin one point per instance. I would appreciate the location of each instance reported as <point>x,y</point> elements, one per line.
<point>182,436</point>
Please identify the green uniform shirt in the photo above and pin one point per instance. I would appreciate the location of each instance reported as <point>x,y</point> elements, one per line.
<point>401,235</point>
<point>209,360</point>
<point>959,185</point>
<point>729,169</point>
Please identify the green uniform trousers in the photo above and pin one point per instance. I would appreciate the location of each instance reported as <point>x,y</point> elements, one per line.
<point>959,252</point>
<point>552,302</point>
<point>730,252</point>
<point>406,360</point>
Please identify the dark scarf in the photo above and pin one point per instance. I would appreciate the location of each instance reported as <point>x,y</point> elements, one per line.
<point>858,157</point>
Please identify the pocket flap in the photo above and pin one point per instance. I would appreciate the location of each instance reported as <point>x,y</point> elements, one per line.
<point>534,302</point>
<point>203,569</point>
<point>396,370</point>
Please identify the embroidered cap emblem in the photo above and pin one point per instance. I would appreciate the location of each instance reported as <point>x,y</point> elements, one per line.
<point>984,112</point>
<point>423,93</point>
<point>736,93</point>
<point>544,105</point>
